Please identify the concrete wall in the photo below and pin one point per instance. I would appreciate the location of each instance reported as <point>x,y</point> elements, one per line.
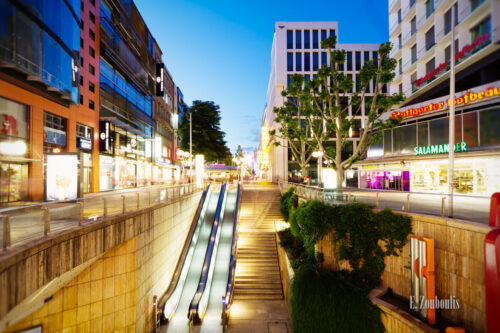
<point>132,259</point>
<point>459,267</point>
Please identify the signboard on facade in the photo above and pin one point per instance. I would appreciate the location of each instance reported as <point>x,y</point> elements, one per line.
<point>84,143</point>
<point>56,137</point>
<point>439,149</point>
<point>62,177</point>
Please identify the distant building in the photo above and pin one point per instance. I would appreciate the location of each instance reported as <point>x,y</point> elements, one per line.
<point>297,50</point>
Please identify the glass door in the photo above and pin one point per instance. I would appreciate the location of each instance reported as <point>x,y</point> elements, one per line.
<point>13,182</point>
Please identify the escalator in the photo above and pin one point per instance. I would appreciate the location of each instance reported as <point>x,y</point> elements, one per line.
<point>201,277</point>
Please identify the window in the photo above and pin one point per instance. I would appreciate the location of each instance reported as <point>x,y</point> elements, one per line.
<point>482,28</point>
<point>400,43</point>
<point>429,38</point>
<point>91,52</point>
<point>413,80</point>
<point>91,104</point>
<point>289,39</point>
<point>399,16</point>
<point>400,88</point>
<point>288,80</point>
<point>375,57</point>
<point>307,61</point>
<point>83,131</point>
<point>92,2</point>
<point>447,19</point>
<point>358,83</point>
<point>81,6</point>
<point>298,61</point>
<point>412,2</point>
<point>54,122</point>
<point>307,39</point>
<point>298,39</point>
<point>489,128</point>
<point>91,69</point>
<point>400,66</point>
<point>92,17</point>
<point>367,56</point>
<point>332,33</point>
<point>447,50</point>
<point>429,8</point>
<point>323,35</point>
<point>315,61</point>
<point>413,25</point>
<point>474,4</point>
<point>358,61</point>
<point>323,59</point>
<point>414,53</point>
<point>349,61</point>
<point>81,43</point>
<point>91,34</point>
<point>341,66</point>
<point>81,80</point>
<point>81,99</point>
<point>430,65</point>
<point>315,39</point>
<point>91,87</point>
<point>289,62</point>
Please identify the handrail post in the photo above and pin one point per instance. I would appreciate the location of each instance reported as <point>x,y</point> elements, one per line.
<point>442,206</point>
<point>46,218</point>
<point>80,213</point>
<point>105,207</point>
<point>6,231</point>
<point>123,204</point>
<point>138,199</point>
<point>149,198</point>
<point>376,200</point>
<point>408,203</point>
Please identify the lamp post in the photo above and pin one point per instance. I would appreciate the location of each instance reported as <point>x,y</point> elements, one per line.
<point>190,144</point>
<point>451,150</point>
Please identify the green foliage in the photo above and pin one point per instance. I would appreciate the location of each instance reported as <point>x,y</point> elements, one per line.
<point>288,201</point>
<point>208,139</point>
<point>294,246</point>
<point>326,301</point>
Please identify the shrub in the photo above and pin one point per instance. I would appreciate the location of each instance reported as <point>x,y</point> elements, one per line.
<point>288,201</point>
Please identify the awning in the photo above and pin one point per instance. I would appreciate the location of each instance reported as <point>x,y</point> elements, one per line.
<point>19,159</point>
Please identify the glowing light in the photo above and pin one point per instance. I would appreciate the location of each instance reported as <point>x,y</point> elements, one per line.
<point>13,148</point>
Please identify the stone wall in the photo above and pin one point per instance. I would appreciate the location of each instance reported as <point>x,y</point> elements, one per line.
<point>115,292</point>
<point>459,266</point>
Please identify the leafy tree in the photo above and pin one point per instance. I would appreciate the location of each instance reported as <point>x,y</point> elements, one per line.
<point>208,139</point>
<point>318,109</point>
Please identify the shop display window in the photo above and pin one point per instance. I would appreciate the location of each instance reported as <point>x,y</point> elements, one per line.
<point>490,127</point>
<point>423,134</point>
<point>470,129</point>
<point>387,142</point>
<point>404,139</point>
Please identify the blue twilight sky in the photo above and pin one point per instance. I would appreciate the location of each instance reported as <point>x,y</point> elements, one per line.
<point>220,50</point>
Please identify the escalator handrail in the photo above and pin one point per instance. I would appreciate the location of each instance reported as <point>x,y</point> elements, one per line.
<point>193,306</point>
<point>232,263</point>
<point>180,262</point>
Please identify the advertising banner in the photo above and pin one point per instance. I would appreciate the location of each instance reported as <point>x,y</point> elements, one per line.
<point>62,177</point>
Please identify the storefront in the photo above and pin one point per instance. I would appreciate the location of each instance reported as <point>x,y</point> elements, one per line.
<point>413,156</point>
<point>14,142</point>
<point>84,146</point>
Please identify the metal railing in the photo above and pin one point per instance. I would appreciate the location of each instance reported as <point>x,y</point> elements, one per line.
<point>471,208</point>
<point>20,224</point>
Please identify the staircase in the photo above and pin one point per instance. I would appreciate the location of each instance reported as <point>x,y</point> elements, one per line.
<point>257,274</point>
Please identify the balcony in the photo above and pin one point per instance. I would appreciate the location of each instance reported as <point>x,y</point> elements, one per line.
<point>392,4</point>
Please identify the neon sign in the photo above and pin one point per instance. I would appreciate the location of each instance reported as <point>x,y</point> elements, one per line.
<point>439,149</point>
<point>466,98</point>
<point>478,43</point>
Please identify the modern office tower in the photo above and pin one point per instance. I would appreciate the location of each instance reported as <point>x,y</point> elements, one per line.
<point>414,156</point>
<point>49,54</point>
<point>130,72</point>
<point>297,50</point>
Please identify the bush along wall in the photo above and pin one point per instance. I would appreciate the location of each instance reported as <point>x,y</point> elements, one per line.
<point>337,301</point>
<point>288,201</point>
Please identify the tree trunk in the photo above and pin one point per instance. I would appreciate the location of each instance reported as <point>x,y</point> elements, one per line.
<point>340,179</point>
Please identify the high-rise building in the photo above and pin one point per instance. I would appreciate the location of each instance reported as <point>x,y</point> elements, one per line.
<point>414,156</point>
<point>297,49</point>
<point>49,93</point>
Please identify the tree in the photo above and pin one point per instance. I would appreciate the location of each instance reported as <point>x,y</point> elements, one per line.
<point>323,106</point>
<point>207,137</point>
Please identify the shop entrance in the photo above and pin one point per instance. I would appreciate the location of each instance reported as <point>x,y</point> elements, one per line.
<point>386,180</point>
<point>13,182</point>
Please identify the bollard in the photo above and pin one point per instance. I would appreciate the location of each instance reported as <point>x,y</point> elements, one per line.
<point>80,213</point>
<point>123,204</point>
<point>105,207</point>
<point>376,201</point>
<point>6,231</point>
<point>408,203</point>
<point>138,199</point>
<point>46,218</point>
<point>442,206</point>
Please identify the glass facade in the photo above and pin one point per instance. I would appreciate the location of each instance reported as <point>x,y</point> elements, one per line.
<point>25,43</point>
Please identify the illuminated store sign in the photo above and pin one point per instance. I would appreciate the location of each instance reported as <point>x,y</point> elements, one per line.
<point>83,143</point>
<point>467,98</point>
<point>480,42</point>
<point>439,149</point>
<point>160,68</point>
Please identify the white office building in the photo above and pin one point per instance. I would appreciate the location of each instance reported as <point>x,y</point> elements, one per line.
<point>297,50</point>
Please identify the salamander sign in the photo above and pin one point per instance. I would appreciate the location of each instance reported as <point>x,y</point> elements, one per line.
<point>439,149</point>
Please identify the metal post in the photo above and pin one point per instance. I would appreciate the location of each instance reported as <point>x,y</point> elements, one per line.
<point>451,150</point>
<point>138,199</point>
<point>442,206</point>
<point>123,204</point>
<point>46,218</point>
<point>408,203</point>
<point>105,207</point>
<point>155,314</point>
<point>320,170</point>
<point>190,145</point>
<point>376,200</point>
<point>80,213</point>
<point>6,231</point>
<point>149,198</point>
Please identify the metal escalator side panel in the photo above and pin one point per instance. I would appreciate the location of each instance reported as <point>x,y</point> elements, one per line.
<point>232,264</point>
<point>193,312</point>
<point>169,300</point>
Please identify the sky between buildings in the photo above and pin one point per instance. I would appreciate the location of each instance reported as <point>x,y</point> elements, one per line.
<point>220,50</point>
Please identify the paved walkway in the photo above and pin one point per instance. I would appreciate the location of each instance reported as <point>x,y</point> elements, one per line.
<point>258,304</point>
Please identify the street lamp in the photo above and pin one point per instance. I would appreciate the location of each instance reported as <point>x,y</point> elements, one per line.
<point>319,155</point>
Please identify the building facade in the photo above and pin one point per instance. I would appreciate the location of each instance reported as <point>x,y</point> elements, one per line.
<point>48,93</point>
<point>413,156</point>
<point>297,49</point>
